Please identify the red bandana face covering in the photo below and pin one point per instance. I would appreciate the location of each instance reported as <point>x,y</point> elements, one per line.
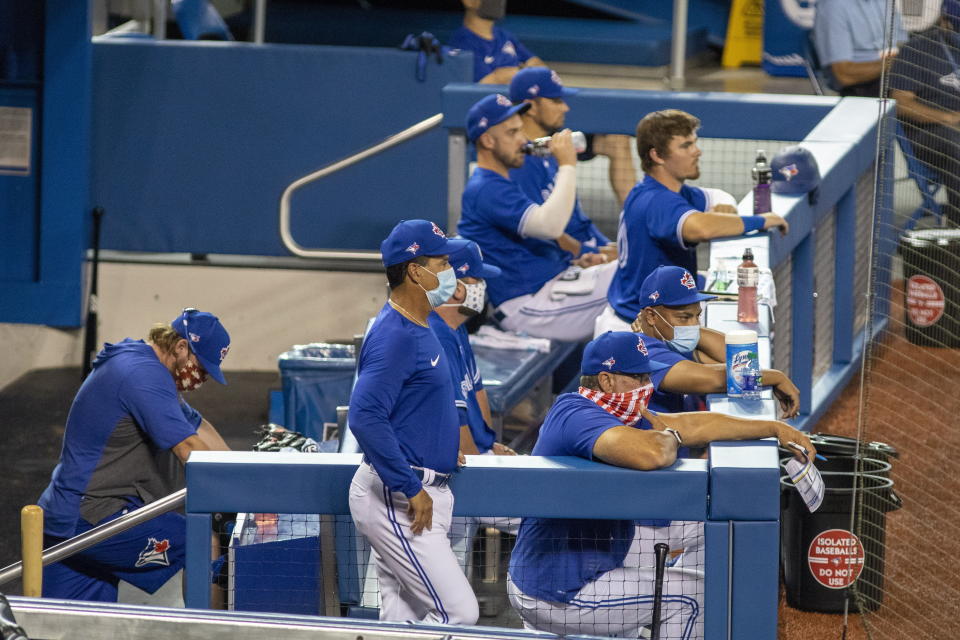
<point>190,377</point>
<point>625,406</point>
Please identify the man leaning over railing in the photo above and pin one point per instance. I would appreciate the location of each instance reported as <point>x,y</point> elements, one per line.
<point>128,409</point>
<point>571,576</point>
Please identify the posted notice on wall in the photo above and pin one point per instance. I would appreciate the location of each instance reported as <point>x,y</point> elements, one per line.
<point>16,123</point>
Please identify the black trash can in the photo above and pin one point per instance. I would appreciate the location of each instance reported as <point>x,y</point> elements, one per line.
<point>931,271</point>
<point>820,557</point>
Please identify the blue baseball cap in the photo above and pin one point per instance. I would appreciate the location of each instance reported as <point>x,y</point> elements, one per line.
<point>413,238</point>
<point>207,338</point>
<point>670,286</point>
<point>468,263</point>
<point>491,111</point>
<point>538,82</point>
<point>618,352</point>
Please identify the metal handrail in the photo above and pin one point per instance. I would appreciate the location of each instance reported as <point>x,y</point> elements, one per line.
<point>296,249</point>
<point>89,538</point>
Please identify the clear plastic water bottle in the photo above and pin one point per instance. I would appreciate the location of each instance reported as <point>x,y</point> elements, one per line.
<point>541,146</point>
<point>762,177</point>
<point>748,276</point>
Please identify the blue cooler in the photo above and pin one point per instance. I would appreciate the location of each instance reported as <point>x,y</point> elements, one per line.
<point>316,379</point>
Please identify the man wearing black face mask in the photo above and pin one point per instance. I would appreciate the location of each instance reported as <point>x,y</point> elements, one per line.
<point>126,412</point>
<point>925,82</point>
<point>497,54</point>
<point>669,321</point>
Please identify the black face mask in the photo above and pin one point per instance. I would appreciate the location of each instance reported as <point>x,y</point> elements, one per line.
<point>492,9</point>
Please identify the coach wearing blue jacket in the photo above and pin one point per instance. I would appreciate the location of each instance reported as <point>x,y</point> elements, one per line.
<point>127,411</point>
<point>403,414</point>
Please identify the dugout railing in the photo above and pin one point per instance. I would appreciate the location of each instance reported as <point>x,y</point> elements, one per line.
<point>822,267</point>
<point>735,493</point>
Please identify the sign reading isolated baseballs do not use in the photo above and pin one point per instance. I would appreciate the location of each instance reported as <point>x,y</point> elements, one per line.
<point>925,301</point>
<point>835,558</point>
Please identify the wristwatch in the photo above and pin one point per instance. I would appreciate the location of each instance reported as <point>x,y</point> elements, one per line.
<point>675,434</point>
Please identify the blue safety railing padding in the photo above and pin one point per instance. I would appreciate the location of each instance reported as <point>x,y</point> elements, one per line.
<point>509,374</point>
<point>717,578</point>
<point>277,482</point>
<point>47,287</point>
<point>200,133</point>
<point>753,604</point>
<point>724,115</point>
<point>741,468</point>
<point>802,318</point>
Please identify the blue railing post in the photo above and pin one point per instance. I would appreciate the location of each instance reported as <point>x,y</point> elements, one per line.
<point>844,260</point>
<point>197,571</point>
<point>802,311</point>
<point>744,521</point>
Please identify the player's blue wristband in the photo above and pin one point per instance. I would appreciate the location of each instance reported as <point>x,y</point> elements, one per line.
<point>752,223</point>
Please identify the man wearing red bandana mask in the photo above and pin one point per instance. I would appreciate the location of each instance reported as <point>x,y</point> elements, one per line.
<point>129,411</point>
<point>594,577</point>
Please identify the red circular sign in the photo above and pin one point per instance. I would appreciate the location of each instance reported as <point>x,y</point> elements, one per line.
<point>925,301</point>
<point>835,558</point>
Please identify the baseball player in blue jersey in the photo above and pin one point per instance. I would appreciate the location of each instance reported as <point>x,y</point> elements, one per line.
<point>664,219</point>
<point>542,292</point>
<point>404,416</point>
<point>669,321</point>
<point>476,436</point>
<point>570,576</point>
<point>497,53</point>
<point>127,411</point>
<point>544,90</point>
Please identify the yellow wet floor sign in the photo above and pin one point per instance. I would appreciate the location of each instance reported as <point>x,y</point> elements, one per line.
<point>744,33</point>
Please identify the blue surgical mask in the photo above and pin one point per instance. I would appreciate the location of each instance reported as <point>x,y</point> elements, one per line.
<point>443,290</point>
<point>685,339</point>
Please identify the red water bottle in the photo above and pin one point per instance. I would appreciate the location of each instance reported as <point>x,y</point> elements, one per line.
<point>747,277</point>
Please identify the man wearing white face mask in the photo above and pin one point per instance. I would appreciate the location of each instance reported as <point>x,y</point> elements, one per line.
<point>669,321</point>
<point>476,436</point>
<point>570,576</point>
<point>403,414</point>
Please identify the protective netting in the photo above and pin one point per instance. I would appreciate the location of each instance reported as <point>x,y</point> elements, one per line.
<point>912,364</point>
<point>320,565</point>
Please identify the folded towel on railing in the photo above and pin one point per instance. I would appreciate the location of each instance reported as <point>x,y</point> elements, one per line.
<point>494,338</point>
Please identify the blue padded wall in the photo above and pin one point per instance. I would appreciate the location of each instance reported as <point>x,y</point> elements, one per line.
<point>193,144</point>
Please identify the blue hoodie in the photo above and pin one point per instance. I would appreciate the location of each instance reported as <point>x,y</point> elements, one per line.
<point>126,412</point>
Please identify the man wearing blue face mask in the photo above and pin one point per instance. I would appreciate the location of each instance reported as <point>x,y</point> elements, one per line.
<point>403,414</point>
<point>669,320</point>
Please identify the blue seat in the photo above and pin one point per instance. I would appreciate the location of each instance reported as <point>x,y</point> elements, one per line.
<point>198,20</point>
<point>926,181</point>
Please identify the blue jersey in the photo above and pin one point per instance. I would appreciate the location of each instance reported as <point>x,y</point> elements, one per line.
<point>402,409</point>
<point>492,216</point>
<point>536,179</point>
<point>649,237</point>
<point>664,401</point>
<point>466,380</point>
<point>127,410</point>
<point>503,51</point>
<point>554,558</point>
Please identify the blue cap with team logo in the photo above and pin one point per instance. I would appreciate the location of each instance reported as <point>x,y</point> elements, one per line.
<point>672,287</point>
<point>618,352</point>
<point>538,82</point>
<point>413,238</point>
<point>207,338</point>
<point>489,112</point>
<point>468,263</point>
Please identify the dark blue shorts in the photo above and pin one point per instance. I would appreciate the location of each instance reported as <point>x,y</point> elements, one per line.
<point>146,556</point>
